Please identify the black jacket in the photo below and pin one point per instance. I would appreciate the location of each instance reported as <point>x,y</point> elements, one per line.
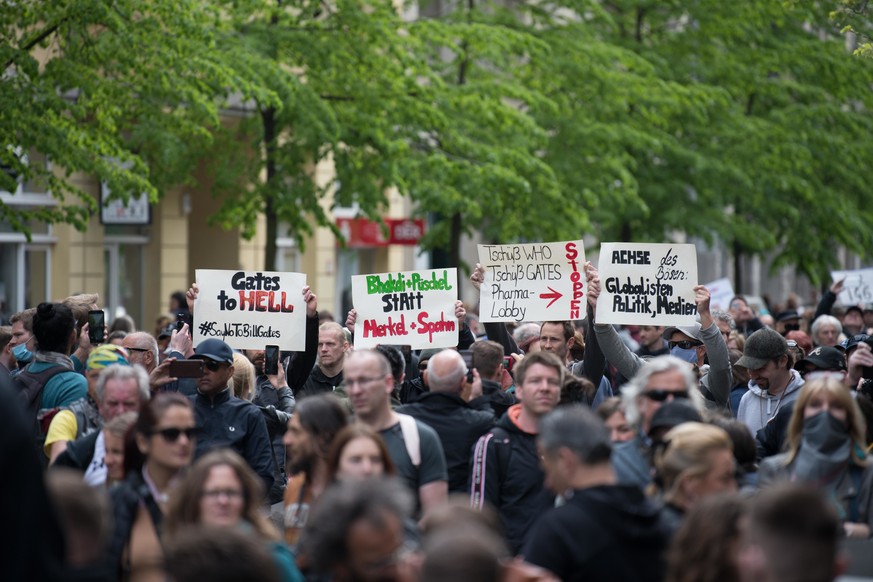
<point>459,427</point>
<point>297,372</point>
<point>771,439</point>
<point>31,539</point>
<point>494,397</point>
<point>318,383</point>
<point>610,532</point>
<point>79,452</point>
<point>276,406</point>
<point>506,473</point>
<point>126,499</point>
<point>227,421</point>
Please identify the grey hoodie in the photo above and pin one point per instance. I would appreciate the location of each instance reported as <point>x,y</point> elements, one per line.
<point>758,406</point>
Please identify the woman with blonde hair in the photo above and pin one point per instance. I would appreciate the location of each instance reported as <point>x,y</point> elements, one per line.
<point>826,443</point>
<point>242,383</point>
<point>220,490</point>
<point>694,461</point>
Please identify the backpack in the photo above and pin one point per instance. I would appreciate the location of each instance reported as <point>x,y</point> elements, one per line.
<point>29,386</point>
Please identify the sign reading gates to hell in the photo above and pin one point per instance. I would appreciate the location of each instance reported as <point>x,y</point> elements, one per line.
<point>857,286</point>
<point>647,284</point>
<point>533,282</point>
<point>412,307</point>
<point>251,309</point>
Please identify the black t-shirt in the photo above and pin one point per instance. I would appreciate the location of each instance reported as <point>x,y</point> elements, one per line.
<point>433,460</point>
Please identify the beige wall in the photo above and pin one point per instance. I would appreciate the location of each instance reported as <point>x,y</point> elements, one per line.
<point>79,264</point>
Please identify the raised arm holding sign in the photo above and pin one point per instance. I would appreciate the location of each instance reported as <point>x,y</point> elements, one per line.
<point>647,284</point>
<point>532,282</point>
<point>250,309</point>
<point>698,343</point>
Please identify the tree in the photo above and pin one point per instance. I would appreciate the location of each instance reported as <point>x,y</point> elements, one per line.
<point>432,108</point>
<point>743,123</point>
<point>853,18</point>
<point>124,91</point>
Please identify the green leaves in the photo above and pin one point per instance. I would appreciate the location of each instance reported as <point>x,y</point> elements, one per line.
<point>741,122</point>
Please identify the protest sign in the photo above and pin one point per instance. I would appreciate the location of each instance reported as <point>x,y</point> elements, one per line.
<point>721,291</point>
<point>647,284</point>
<point>857,286</point>
<point>533,282</point>
<point>414,308</point>
<point>251,309</point>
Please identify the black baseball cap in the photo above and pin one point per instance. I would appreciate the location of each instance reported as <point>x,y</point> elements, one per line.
<point>213,349</point>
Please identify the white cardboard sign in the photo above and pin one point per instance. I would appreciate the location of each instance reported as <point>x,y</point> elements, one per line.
<point>857,286</point>
<point>251,309</point>
<point>721,291</point>
<point>647,284</point>
<point>414,308</point>
<point>533,282</point>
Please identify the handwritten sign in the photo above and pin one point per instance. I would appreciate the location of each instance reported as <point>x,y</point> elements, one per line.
<point>251,309</point>
<point>533,282</point>
<point>412,307</point>
<point>721,291</point>
<point>857,286</point>
<point>647,284</point>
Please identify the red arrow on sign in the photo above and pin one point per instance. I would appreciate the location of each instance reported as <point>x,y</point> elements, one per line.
<point>554,296</point>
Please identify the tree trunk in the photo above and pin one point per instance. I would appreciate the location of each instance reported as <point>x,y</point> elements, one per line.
<point>269,121</point>
<point>738,267</point>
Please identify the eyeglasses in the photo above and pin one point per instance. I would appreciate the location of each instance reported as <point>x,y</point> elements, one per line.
<point>172,434</point>
<point>685,345</point>
<point>230,494</point>
<point>659,395</point>
<point>137,349</point>
<point>362,381</point>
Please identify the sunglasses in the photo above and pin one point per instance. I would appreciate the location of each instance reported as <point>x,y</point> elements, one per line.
<point>212,365</point>
<point>661,395</point>
<point>171,435</point>
<point>685,345</point>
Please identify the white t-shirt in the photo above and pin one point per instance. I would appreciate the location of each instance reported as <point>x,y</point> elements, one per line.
<point>95,474</point>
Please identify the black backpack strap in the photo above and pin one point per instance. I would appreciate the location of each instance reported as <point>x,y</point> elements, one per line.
<point>152,507</point>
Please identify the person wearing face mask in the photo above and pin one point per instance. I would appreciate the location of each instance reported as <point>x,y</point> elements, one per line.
<point>826,450</point>
<point>22,341</point>
<point>701,345</point>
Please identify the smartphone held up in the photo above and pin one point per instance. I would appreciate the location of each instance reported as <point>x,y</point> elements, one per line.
<point>96,326</point>
<point>271,360</point>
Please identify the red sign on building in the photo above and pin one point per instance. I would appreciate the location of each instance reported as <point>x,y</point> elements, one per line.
<point>363,233</point>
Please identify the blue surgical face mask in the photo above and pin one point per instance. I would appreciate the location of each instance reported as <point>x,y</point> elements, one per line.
<point>689,355</point>
<point>21,353</point>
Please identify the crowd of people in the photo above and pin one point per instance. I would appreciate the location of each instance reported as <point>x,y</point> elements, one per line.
<point>732,449</point>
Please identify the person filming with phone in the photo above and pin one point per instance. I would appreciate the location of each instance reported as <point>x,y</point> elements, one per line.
<point>225,420</point>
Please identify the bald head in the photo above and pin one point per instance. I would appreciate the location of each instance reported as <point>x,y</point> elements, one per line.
<point>446,371</point>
